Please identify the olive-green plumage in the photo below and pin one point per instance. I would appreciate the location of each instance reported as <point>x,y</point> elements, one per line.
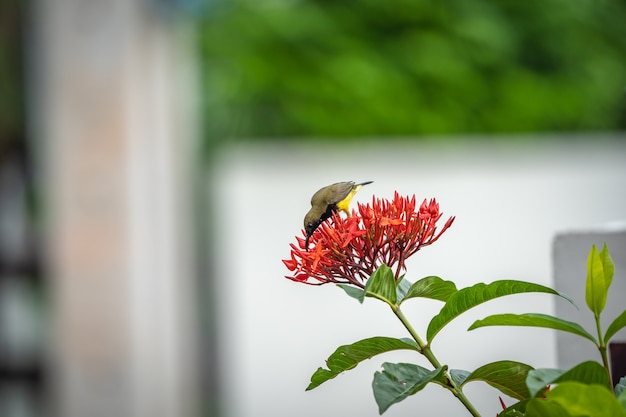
<point>329,199</point>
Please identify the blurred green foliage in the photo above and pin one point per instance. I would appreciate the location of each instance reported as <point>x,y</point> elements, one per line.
<point>277,68</point>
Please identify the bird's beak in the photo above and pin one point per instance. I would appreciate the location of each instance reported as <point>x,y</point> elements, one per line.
<point>306,242</point>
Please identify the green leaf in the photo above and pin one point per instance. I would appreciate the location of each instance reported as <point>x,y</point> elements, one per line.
<point>533,320</point>
<point>589,372</point>
<point>508,377</point>
<point>620,388</point>
<point>607,264</point>
<point>459,376</point>
<point>622,399</point>
<point>402,288</point>
<point>574,399</point>
<point>618,324</point>
<point>431,287</point>
<point>515,410</point>
<point>600,269</point>
<point>348,356</point>
<point>399,380</point>
<point>538,379</point>
<point>382,284</point>
<point>354,292</point>
<point>469,297</point>
<point>620,391</point>
<point>539,408</point>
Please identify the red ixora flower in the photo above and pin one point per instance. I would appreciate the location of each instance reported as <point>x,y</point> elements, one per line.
<point>349,250</point>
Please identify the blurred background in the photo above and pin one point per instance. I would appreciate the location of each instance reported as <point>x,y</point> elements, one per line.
<point>157,158</point>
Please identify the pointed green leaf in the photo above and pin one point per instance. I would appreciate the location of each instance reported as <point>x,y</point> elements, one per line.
<point>382,284</point>
<point>594,289</point>
<point>402,288</point>
<point>600,270</point>
<point>618,324</point>
<point>469,297</point>
<point>431,287</point>
<point>508,377</point>
<point>459,376</point>
<point>607,265</point>
<point>354,292</point>
<point>589,372</point>
<point>348,356</point>
<point>573,399</point>
<point>533,320</point>
<point>399,380</point>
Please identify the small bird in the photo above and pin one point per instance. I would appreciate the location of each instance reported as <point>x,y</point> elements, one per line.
<point>328,200</point>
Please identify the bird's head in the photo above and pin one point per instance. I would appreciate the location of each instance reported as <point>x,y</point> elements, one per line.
<point>311,222</point>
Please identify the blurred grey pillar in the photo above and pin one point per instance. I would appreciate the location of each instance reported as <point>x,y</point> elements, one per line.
<point>113,99</point>
<point>570,273</point>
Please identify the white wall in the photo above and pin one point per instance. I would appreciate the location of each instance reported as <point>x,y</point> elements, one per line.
<point>509,199</point>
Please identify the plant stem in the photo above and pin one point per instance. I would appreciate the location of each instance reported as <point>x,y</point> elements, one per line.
<point>602,349</point>
<point>425,350</point>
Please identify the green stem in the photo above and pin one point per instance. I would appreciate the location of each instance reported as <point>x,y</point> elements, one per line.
<point>602,349</point>
<point>425,350</point>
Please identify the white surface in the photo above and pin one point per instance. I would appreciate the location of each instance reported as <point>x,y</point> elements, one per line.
<point>509,200</point>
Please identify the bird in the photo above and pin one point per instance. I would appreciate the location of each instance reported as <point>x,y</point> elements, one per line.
<point>326,201</point>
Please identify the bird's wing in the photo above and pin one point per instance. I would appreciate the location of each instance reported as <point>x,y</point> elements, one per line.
<point>339,191</point>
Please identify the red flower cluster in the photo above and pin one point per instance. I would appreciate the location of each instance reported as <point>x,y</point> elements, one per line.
<point>348,251</point>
